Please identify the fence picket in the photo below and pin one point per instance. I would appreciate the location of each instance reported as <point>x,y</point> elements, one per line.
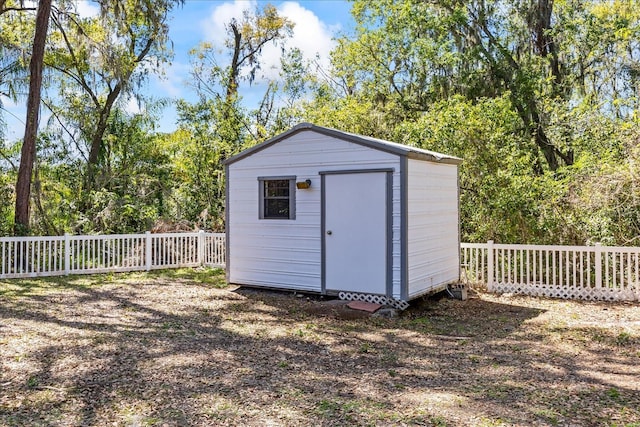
<point>59,255</point>
<point>578,272</point>
<point>555,271</point>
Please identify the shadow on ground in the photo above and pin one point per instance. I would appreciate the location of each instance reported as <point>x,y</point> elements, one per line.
<point>162,350</point>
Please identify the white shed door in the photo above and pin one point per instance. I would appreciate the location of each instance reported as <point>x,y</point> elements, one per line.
<point>355,232</point>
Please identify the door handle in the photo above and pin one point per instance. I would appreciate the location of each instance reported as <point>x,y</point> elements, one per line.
<point>329,232</point>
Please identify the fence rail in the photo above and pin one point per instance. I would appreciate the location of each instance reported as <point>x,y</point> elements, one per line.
<point>59,255</point>
<point>571,272</point>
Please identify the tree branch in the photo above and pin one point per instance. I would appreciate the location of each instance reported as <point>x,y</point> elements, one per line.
<point>80,76</point>
<point>8,159</point>
<point>64,128</point>
<point>4,10</point>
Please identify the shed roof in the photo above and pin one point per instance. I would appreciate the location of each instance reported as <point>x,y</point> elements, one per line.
<point>377,144</point>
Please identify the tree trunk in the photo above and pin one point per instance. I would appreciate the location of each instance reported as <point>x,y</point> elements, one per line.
<point>27,157</point>
<point>544,42</point>
<point>104,114</point>
<point>98,136</point>
<point>232,82</point>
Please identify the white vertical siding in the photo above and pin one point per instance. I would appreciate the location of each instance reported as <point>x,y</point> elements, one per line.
<point>433,245</point>
<point>287,253</point>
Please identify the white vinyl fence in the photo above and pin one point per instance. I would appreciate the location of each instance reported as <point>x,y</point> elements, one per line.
<point>570,272</point>
<point>58,255</point>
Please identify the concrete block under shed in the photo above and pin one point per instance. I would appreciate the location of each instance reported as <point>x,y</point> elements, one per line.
<point>458,291</point>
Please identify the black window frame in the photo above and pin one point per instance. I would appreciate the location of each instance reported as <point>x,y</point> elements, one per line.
<point>264,198</point>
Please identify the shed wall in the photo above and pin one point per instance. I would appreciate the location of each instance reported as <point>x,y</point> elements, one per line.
<point>433,233</point>
<point>287,253</point>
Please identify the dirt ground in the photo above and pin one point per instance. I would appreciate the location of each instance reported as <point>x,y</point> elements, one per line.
<point>180,349</point>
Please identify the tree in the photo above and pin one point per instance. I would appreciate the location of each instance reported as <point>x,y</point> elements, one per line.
<point>7,6</point>
<point>411,53</point>
<point>245,41</point>
<point>100,60</point>
<point>556,82</point>
<point>217,126</point>
<point>23,184</point>
<point>138,178</point>
<point>96,64</point>
<point>14,43</point>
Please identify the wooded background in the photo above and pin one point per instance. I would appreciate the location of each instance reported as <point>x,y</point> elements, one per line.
<point>539,97</point>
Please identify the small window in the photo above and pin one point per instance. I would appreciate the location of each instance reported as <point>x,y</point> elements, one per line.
<point>277,197</point>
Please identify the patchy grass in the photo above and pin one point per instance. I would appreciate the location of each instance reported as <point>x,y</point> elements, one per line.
<point>180,347</point>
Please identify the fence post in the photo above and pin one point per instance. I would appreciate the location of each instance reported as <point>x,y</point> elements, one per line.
<point>598,262</point>
<point>147,250</point>
<point>67,254</point>
<point>490,266</point>
<point>201,243</point>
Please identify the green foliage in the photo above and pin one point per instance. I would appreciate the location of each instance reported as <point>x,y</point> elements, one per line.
<point>211,131</point>
<point>7,182</point>
<point>9,158</point>
<point>217,126</point>
<point>135,178</point>
<point>499,191</point>
<point>100,63</point>
<point>136,182</point>
<point>540,99</point>
<point>92,176</point>
<point>602,198</point>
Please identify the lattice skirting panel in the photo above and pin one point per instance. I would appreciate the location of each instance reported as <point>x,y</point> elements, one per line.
<point>377,299</point>
<point>569,292</point>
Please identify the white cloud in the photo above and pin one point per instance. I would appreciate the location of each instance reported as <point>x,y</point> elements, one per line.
<point>86,9</point>
<point>214,26</point>
<point>312,36</point>
<point>172,82</point>
<point>132,106</point>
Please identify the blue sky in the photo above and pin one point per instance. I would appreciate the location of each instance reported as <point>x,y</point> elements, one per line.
<point>317,23</point>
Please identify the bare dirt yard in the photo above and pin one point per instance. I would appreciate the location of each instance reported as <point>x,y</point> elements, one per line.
<point>181,348</point>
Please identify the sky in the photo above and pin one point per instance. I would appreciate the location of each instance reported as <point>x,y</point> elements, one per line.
<point>317,23</point>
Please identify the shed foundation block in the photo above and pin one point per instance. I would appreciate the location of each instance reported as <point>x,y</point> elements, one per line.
<point>458,291</point>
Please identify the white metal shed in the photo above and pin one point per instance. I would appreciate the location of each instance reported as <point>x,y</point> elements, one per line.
<point>320,210</point>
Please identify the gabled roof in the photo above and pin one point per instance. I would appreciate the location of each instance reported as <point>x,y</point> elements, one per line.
<point>374,143</point>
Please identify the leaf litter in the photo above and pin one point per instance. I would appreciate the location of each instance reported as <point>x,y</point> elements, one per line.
<point>168,350</point>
